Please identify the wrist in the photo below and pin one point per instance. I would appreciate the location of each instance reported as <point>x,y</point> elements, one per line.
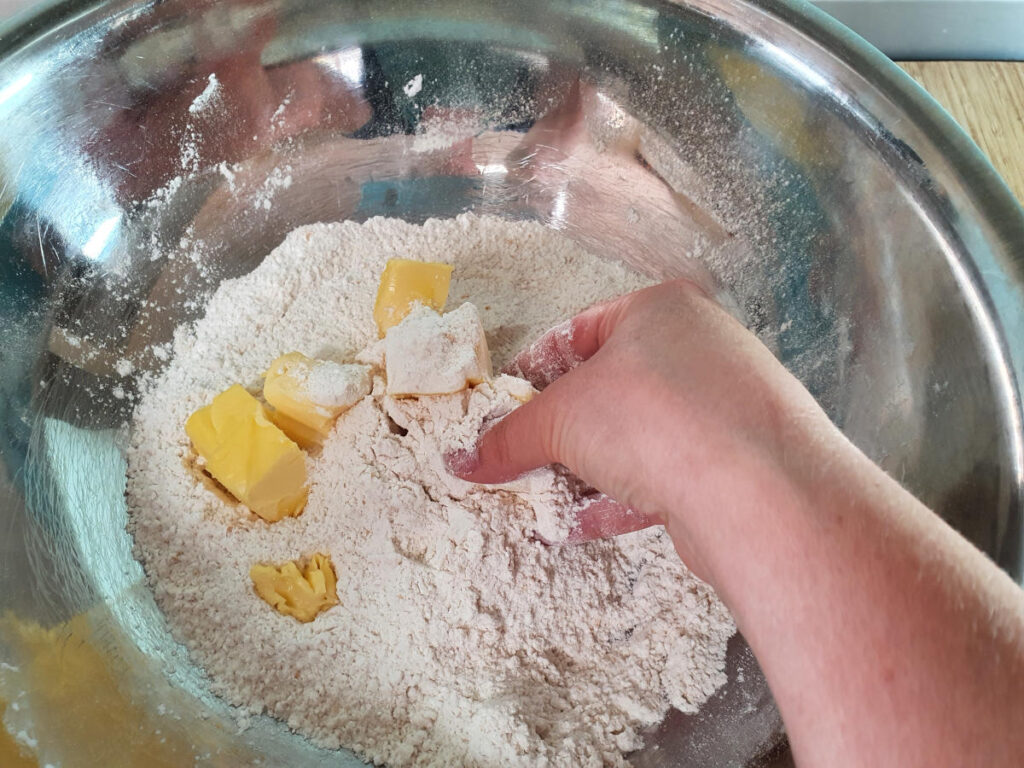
<point>731,514</point>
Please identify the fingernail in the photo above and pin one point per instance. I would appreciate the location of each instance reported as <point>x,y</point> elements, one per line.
<point>462,462</point>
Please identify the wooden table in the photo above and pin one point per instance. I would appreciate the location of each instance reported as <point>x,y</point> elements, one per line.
<point>986,98</point>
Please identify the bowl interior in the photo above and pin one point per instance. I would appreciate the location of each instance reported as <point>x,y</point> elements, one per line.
<point>152,150</point>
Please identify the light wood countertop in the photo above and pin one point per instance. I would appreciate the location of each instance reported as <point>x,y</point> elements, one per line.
<point>987,99</point>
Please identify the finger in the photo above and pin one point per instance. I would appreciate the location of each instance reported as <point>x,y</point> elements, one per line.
<point>567,345</point>
<point>600,517</point>
<point>521,441</point>
<point>531,436</point>
<point>548,358</point>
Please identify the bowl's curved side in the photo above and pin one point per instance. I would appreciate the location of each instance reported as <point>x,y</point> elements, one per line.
<point>989,220</point>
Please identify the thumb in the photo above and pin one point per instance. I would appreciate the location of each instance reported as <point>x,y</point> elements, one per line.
<point>525,439</point>
<point>534,434</point>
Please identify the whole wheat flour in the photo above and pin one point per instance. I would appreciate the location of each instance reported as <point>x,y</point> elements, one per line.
<point>459,640</point>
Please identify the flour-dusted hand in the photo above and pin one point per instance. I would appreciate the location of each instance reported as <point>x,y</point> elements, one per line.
<point>644,397</point>
<point>887,638</point>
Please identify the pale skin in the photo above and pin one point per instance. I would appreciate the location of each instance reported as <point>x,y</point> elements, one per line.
<point>887,639</point>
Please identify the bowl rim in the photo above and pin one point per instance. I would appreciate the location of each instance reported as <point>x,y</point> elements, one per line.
<point>881,72</point>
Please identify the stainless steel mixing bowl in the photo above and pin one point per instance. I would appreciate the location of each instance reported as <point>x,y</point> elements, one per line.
<point>755,146</point>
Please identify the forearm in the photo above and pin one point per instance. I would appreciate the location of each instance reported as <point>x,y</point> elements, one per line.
<point>886,638</point>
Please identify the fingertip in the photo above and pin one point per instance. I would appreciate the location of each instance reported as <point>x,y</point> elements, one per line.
<point>462,462</point>
<point>484,463</point>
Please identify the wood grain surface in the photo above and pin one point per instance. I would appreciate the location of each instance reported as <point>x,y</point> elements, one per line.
<point>986,98</point>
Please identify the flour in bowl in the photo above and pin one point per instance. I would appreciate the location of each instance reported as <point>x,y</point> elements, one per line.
<point>459,639</point>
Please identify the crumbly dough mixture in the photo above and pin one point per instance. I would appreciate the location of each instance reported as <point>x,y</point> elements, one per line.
<point>459,640</point>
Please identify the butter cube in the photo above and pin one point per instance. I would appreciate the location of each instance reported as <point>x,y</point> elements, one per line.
<point>307,395</point>
<point>405,282</point>
<point>248,455</point>
<point>432,354</point>
<point>297,589</point>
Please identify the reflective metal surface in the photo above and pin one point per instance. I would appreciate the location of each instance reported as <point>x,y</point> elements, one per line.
<point>756,147</point>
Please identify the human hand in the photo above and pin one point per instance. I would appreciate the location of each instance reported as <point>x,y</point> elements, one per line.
<point>661,400</point>
<point>833,572</point>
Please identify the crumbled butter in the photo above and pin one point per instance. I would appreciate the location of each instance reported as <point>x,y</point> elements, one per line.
<point>520,389</point>
<point>307,395</point>
<point>432,354</point>
<point>404,283</point>
<point>247,454</point>
<point>296,589</point>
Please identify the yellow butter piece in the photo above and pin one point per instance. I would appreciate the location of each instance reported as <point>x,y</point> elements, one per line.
<point>297,589</point>
<point>432,354</point>
<point>83,678</point>
<point>307,395</point>
<point>12,754</point>
<point>405,282</point>
<point>249,455</point>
